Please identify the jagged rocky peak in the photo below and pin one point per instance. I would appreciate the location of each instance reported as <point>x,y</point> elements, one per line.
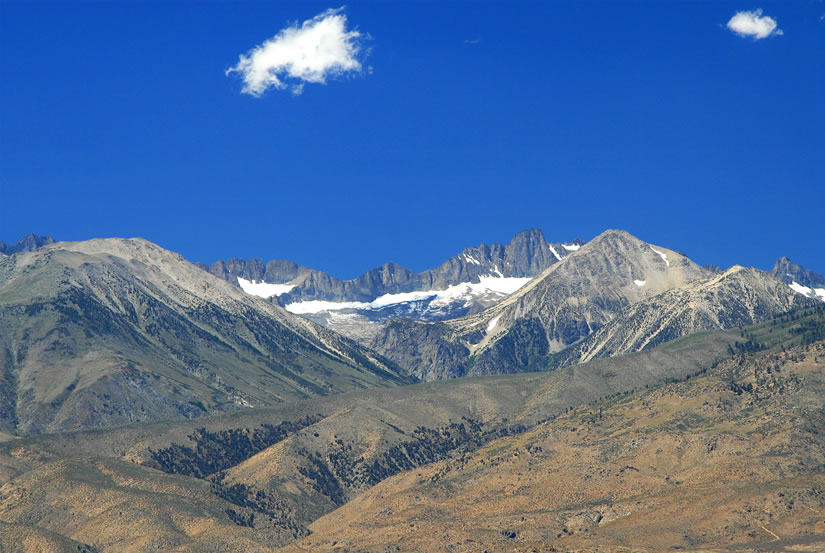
<point>28,243</point>
<point>525,255</point>
<point>475,278</point>
<point>277,271</point>
<point>528,253</point>
<point>788,272</point>
<point>801,280</point>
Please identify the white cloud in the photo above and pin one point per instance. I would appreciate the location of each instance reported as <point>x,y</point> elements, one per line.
<point>753,24</point>
<point>320,48</point>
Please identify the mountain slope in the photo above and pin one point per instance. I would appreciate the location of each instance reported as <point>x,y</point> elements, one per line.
<point>258,477</point>
<point>271,472</point>
<point>738,297</point>
<point>111,331</point>
<point>278,469</point>
<point>731,460</point>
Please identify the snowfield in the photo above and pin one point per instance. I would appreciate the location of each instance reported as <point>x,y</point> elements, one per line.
<point>264,289</point>
<point>463,293</point>
<point>817,293</point>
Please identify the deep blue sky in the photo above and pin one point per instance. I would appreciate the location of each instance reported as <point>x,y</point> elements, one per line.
<point>477,120</point>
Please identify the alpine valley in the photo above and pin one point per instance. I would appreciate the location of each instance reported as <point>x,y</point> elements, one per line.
<point>608,395</point>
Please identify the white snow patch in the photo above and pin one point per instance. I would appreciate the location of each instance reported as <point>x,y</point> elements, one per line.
<point>570,247</point>
<point>552,249</point>
<point>492,324</point>
<point>497,272</point>
<point>503,286</point>
<point>471,259</point>
<point>816,293</point>
<point>662,255</point>
<point>639,283</point>
<point>316,306</point>
<point>799,289</point>
<point>264,289</point>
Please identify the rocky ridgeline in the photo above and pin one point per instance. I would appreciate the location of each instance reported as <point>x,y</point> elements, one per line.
<point>526,255</point>
<point>28,243</point>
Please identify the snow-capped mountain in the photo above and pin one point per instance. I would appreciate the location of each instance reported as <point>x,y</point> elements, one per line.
<point>466,283</point>
<point>801,280</point>
<point>616,294</point>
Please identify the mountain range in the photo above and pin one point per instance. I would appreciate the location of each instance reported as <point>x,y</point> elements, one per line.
<point>616,294</point>
<point>625,398</point>
<point>464,284</point>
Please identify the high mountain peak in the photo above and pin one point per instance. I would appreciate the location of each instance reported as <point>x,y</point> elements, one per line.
<point>789,272</point>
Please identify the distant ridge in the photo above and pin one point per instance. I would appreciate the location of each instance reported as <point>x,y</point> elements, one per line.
<point>800,279</point>
<point>28,243</point>
<point>526,255</point>
<point>466,283</point>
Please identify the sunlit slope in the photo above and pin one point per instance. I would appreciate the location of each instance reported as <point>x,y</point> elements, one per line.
<point>112,331</point>
<point>286,466</point>
<point>272,472</point>
<point>730,460</point>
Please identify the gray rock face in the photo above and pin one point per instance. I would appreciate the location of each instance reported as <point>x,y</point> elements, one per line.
<point>789,272</point>
<point>616,294</point>
<point>28,243</point>
<point>425,348</point>
<point>107,332</point>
